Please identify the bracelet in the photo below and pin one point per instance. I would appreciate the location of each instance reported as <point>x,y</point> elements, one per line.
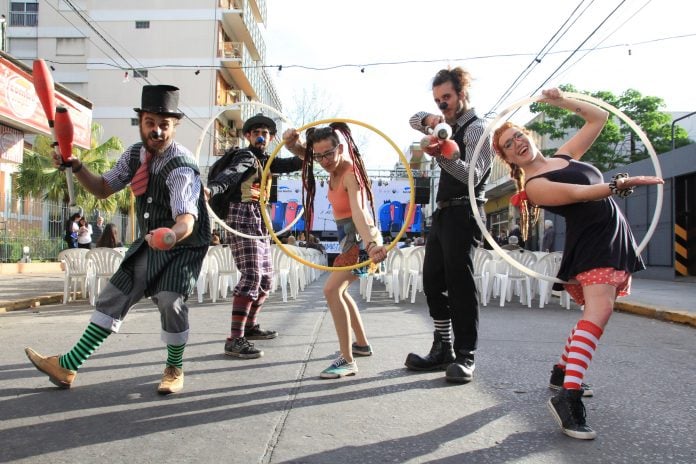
<point>79,168</point>
<point>623,193</point>
<point>370,246</point>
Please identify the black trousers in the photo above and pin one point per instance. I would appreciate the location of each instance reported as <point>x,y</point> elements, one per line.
<point>448,276</point>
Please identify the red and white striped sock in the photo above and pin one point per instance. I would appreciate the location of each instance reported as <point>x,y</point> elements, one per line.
<point>582,347</point>
<point>241,305</point>
<point>564,357</point>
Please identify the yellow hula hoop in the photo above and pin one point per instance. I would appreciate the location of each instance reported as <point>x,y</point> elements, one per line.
<point>269,225</point>
<point>582,97</point>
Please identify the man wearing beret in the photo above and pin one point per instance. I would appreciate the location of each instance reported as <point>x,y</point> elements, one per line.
<point>165,180</point>
<point>234,184</point>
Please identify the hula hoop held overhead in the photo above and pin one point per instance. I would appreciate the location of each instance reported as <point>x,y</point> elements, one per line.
<point>577,96</point>
<point>409,213</point>
<point>197,157</point>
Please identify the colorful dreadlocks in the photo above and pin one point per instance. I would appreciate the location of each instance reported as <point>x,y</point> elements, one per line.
<point>314,135</point>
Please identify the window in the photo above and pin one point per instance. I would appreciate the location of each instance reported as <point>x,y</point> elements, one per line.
<point>142,24</point>
<point>24,14</point>
<point>135,121</point>
<point>140,73</point>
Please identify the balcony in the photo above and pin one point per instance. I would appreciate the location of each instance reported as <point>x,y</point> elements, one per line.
<point>240,18</point>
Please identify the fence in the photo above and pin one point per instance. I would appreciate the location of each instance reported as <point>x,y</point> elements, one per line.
<point>40,226</point>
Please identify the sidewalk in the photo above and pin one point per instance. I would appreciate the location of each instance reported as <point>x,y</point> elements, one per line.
<point>672,301</point>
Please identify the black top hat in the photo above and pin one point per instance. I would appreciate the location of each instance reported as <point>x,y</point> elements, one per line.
<point>259,120</point>
<point>160,99</point>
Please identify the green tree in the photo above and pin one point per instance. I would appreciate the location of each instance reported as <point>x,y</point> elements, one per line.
<point>617,145</point>
<point>39,179</point>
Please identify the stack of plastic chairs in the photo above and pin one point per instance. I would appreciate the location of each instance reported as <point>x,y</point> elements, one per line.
<point>75,265</point>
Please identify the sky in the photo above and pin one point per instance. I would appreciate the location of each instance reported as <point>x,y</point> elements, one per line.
<point>646,45</point>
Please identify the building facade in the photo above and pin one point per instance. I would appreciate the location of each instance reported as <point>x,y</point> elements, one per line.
<point>106,50</point>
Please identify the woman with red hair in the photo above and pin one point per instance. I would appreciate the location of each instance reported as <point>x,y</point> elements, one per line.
<point>600,253</point>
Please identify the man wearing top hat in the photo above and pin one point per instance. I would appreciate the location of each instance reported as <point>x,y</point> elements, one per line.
<point>168,193</point>
<point>234,186</point>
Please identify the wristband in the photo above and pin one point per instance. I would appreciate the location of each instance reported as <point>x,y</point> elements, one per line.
<point>78,169</point>
<point>623,193</point>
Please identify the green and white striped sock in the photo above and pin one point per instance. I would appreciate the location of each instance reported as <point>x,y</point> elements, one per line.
<point>91,339</point>
<point>175,355</point>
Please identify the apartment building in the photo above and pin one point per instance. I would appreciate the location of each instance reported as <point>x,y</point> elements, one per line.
<point>106,50</point>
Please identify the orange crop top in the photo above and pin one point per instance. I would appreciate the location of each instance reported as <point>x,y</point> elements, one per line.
<point>338,197</point>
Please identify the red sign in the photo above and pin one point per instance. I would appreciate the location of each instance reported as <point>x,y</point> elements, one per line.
<point>20,107</point>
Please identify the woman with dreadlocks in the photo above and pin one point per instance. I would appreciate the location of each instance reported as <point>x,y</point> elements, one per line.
<point>349,192</point>
<point>599,253</point>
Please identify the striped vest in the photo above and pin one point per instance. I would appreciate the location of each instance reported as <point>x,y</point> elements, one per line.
<point>175,270</point>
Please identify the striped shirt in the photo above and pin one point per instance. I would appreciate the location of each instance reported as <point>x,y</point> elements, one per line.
<point>460,168</point>
<point>184,184</point>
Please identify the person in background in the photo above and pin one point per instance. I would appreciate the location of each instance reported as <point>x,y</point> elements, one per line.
<point>110,237</point>
<point>548,242</point>
<point>215,238</point>
<point>516,232</point>
<point>84,234</point>
<point>165,180</point>
<point>71,229</point>
<point>600,252</point>
<point>97,229</point>
<point>349,194</point>
<point>234,183</point>
<point>448,280</point>
<point>512,244</point>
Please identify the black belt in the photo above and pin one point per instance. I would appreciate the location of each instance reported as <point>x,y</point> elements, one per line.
<point>456,202</point>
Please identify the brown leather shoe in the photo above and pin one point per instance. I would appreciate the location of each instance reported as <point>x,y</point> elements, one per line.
<point>50,366</point>
<point>172,380</point>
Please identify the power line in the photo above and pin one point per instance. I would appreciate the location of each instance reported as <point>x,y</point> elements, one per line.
<point>537,59</point>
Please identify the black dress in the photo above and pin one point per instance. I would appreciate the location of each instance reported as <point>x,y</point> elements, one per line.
<point>597,234</point>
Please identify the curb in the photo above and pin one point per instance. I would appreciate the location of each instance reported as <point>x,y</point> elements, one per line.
<point>663,314</point>
<point>34,302</point>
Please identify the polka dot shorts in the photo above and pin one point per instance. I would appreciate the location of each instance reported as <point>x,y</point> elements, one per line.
<point>601,275</point>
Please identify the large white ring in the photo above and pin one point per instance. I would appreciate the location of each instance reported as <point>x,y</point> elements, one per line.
<point>578,96</point>
<point>197,156</point>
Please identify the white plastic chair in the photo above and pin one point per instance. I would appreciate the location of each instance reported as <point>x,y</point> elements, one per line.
<point>203,282</point>
<point>482,274</point>
<point>522,282</point>
<point>414,272</point>
<point>101,265</point>
<point>223,271</point>
<point>75,264</point>
<point>548,266</point>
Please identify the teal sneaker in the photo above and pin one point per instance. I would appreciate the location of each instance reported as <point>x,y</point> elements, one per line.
<point>339,368</point>
<point>361,350</point>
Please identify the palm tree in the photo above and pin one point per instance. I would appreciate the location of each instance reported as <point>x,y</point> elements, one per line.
<point>39,179</point>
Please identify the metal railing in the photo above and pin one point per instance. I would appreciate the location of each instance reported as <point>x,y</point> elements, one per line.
<point>40,226</point>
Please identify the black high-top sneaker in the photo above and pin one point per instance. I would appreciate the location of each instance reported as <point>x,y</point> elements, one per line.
<point>440,356</point>
<point>568,410</point>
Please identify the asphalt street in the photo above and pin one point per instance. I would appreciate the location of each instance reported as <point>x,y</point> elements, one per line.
<point>276,409</point>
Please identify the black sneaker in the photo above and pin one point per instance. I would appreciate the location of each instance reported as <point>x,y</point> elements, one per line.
<point>241,348</point>
<point>568,410</point>
<point>462,369</point>
<point>257,333</point>
<point>556,382</point>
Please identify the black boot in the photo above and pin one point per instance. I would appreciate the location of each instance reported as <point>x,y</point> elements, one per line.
<point>462,369</point>
<point>440,356</point>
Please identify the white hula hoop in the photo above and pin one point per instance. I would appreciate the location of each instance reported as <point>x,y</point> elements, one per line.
<point>197,156</point>
<point>578,96</point>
